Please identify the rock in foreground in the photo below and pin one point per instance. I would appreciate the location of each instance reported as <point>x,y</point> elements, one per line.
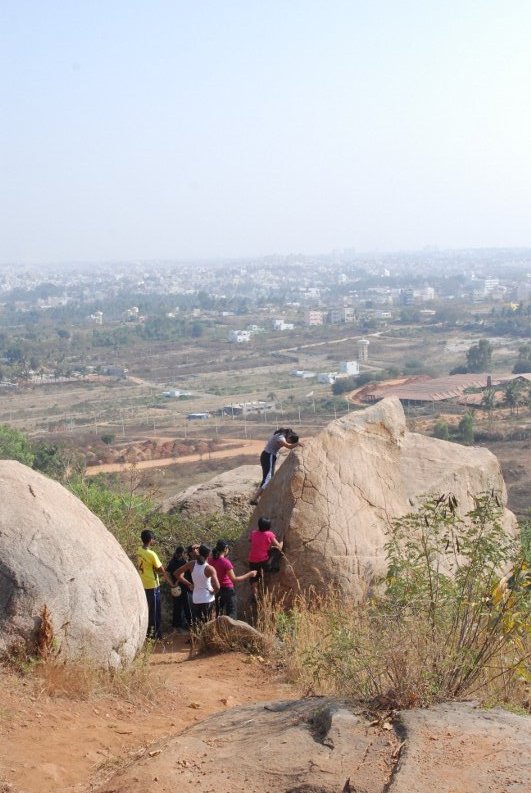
<point>315,745</point>
<point>54,552</point>
<point>225,633</point>
<point>333,500</point>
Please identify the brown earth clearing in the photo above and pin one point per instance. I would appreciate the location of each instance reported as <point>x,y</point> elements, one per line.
<point>60,738</point>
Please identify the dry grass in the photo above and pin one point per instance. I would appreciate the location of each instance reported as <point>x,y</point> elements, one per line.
<point>78,680</point>
<point>329,647</point>
<point>83,681</point>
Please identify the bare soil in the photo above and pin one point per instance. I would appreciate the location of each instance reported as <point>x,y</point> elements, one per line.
<point>246,447</point>
<point>63,743</point>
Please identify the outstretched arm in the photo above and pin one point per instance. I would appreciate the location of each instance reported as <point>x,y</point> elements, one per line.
<point>244,577</point>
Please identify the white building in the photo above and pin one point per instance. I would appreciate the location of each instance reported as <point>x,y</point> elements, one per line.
<point>279,324</point>
<point>328,378</point>
<point>349,368</point>
<point>239,336</point>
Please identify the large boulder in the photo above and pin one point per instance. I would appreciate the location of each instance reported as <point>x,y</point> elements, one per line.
<point>320,745</point>
<point>54,552</point>
<point>228,492</point>
<point>333,500</point>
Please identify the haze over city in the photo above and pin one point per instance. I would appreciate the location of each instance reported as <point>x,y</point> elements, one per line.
<point>172,130</point>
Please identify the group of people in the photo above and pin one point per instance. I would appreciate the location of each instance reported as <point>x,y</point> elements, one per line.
<point>202,580</point>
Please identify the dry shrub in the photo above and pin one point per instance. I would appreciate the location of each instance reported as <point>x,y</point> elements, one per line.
<point>45,637</point>
<point>444,627</point>
<point>81,680</point>
<point>331,647</point>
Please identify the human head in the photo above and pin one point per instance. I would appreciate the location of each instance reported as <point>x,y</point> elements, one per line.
<point>147,537</point>
<point>292,437</point>
<point>203,553</point>
<point>264,524</point>
<point>178,551</point>
<point>283,431</point>
<point>192,551</point>
<point>221,548</point>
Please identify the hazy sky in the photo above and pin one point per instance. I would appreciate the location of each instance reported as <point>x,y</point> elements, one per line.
<point>165,129</point>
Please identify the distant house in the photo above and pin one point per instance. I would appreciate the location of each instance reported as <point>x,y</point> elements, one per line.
<point>115,371</point>
<point>315,317</point>
<point>328,378</point>
<point>175,393</point>
<point>279,324</point>
<point>349,368</point>
<point>246,408</point>
<point>198,416</point>
<point>239,336</point>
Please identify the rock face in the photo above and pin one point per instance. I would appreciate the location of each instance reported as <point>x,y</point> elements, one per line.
<point>333,499</point>
<point>320,745</point>
<point>458,746</point>
<point>54,552</point>
<point>228,492</point>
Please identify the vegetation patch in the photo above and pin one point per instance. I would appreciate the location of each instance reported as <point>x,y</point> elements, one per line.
<point>453,621</point>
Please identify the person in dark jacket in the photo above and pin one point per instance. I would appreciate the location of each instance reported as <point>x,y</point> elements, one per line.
<point>182,615</point>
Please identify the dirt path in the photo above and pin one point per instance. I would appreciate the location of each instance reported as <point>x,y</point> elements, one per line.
<point>244,447</point>
<point>60,743</point>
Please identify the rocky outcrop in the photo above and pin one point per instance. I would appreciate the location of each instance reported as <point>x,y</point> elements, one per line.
<point>228,492</point>
<point>333,499</point>
<point>459,746</point>
<point>320,745</point>
<point>54,552</point>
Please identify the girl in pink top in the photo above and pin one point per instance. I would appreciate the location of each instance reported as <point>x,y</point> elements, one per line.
<point>226,597</point>
<point>262,540</point>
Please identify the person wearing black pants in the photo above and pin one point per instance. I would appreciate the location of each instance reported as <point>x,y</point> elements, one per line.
<point>182,615</point>
<point>226,597</point>
<point>283,438</point>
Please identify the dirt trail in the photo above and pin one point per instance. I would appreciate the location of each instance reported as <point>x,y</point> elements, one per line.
<point>244,447</point>
<point>60,744</point>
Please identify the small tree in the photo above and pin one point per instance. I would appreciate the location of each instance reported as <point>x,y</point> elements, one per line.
<point>523,364</point>
<point>513,395</point>
<point>447,569</point>
<point>466,429</point>
<point>440,430</point>
<point>488,400</point>
<point>14,445</point>
<point>479,356</point>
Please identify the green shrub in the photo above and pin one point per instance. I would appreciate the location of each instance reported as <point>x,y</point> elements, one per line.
<point>125,512</point>
<point>447,624</point>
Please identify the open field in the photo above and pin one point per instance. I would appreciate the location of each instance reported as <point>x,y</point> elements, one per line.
<point>217,373</point>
